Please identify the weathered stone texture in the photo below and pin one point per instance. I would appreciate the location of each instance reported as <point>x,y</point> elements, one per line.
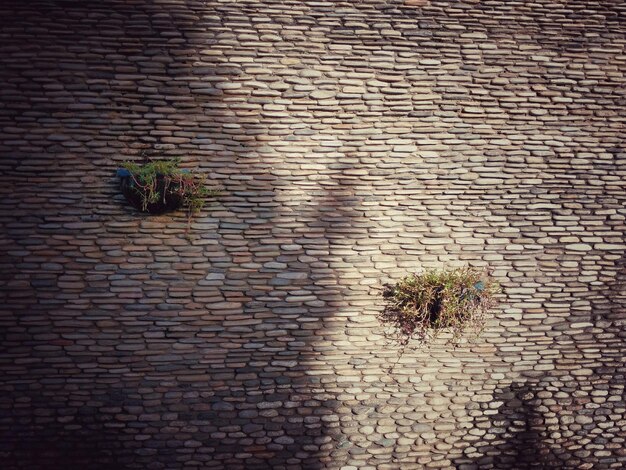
<point>355,141</point>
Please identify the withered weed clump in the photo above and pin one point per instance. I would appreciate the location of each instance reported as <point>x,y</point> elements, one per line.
<point>425,304</point>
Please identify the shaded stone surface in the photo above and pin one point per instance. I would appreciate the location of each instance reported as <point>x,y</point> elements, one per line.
<point>355,142</point>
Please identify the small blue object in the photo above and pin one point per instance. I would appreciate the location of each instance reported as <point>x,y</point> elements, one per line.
<point>480,285</point>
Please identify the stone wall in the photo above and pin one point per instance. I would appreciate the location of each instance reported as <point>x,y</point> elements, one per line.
<point>356,141</point>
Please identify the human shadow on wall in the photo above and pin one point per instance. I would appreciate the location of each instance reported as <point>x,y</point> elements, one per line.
<point>518,430</point>
<point>215,377</point>
<point>506,432</point>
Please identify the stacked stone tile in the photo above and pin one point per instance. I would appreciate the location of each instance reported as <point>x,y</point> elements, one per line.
<point>355,142</point>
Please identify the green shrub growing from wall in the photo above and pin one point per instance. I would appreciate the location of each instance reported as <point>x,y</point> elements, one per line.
<point>159,186</point>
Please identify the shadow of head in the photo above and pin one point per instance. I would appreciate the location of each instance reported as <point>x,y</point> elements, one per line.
<point>506,432</point>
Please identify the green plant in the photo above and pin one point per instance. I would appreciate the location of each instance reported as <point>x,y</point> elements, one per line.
<point>425,304</point>
<point>159,182</point>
